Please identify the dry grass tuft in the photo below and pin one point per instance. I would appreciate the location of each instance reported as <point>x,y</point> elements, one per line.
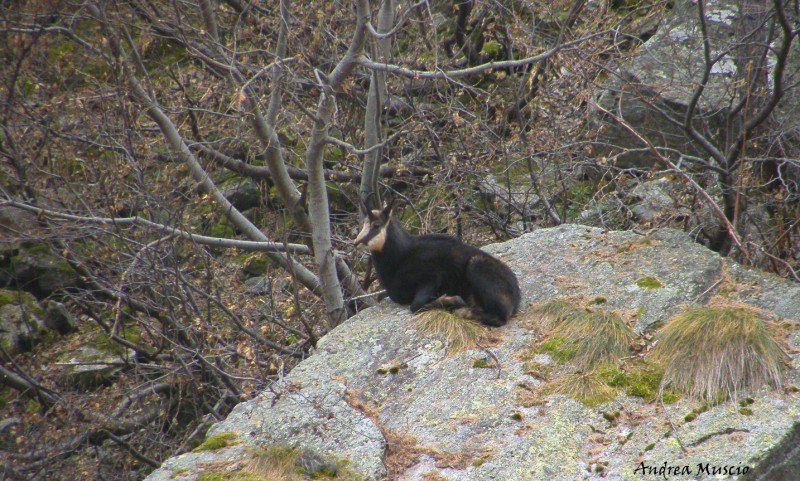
<point>597,337</point>
<point>586,337</point>
<point>282,463</point>
<point>459,333</point>
<point>588,388</point>
<point>275,462</point>
<point>716,353</point>
<point>402,452</point>
<point>554,312</point>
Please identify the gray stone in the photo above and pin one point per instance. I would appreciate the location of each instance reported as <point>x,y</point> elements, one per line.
<point>311,463</point>
<point>257,285</point>
<point>243,194</point>
<point>653,203</point>
<point>590,262</point>
<point>16,225</point>
<point>21,324</point>
<point>90,367</point>
<point>39,270</point>
<point>58,318</point>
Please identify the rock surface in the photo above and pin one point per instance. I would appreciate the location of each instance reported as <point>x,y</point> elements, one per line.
<point>391,399</point>
<point>21,324</point>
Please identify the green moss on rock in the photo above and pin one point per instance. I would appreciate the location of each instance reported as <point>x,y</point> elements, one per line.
<point>648,282</point>
<point>558,348</point>
<point>218,441</point>
<point>589,338</point>
<point>21,298</point>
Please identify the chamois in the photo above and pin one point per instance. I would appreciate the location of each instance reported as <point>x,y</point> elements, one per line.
<point>438,271</point>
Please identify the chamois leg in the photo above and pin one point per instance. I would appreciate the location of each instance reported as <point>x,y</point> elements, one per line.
<point>451,303</point>
<point>423,296</point>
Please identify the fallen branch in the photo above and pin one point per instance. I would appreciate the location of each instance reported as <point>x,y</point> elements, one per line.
<point>136,220</point>
<point>264,172</point>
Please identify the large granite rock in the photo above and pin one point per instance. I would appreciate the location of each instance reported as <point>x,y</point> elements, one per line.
<point>394,402</point>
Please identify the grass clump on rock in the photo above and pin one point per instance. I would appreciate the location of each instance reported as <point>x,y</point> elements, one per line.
<point>459,333</point>
<point>648,282</point>
<point>555,311</point>
<point>588,388</point>
<point>596,343</point>
<point>284,463</point>
<point>586,337</point>
<point>719,353</point>
<point>597,337</point>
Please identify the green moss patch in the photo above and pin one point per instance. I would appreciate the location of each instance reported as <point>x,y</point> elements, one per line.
<point>558,348</point>
<point>648,282</point>
<point>218,441</point>
<point>481,364</point>
<point>179,472</point>
<point>21,298</point>
<point>696,412</point>
<point>606,381</point>
<point>638,379</point>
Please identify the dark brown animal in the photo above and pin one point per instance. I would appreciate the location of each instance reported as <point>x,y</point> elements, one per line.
<point>438,271</point>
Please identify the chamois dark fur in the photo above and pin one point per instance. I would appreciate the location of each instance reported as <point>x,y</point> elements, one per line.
<point>438,271</point>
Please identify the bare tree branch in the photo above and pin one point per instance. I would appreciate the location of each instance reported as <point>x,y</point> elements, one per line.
<point>446,74</point>
<point>714,207</point>
<point>260,246</point>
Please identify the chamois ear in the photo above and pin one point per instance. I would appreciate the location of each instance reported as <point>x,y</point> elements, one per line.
<point>387,210</point>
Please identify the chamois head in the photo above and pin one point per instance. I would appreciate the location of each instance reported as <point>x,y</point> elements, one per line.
<point>373,230</point>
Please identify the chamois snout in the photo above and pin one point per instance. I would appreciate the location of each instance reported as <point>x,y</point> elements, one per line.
<point>363,234</point>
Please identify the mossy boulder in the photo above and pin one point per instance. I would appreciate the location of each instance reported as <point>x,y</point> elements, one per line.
<point>95,364</point>
<point>37,269</point>
<point>13,222</point>
<point>21,321</point>
<point>58,318</point>
<point>243,194</point>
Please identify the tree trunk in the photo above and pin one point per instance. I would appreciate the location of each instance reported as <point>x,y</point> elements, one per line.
<point>377,98</point>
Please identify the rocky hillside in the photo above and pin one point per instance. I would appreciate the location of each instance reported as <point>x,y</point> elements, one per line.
<point>385,398</point>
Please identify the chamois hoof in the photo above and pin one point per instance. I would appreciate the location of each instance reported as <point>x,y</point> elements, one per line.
<point>450,303</point>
